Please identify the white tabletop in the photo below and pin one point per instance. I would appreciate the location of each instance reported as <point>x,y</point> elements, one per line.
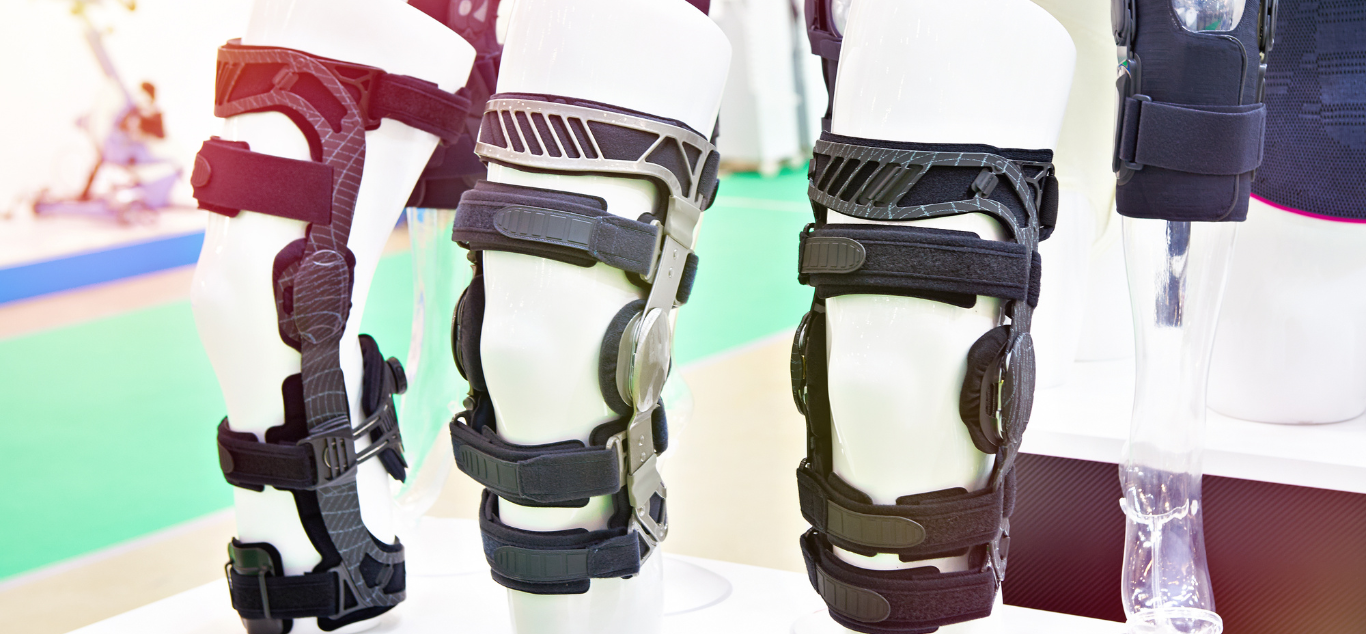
<point>449,590</point>
<point>1088,419</point>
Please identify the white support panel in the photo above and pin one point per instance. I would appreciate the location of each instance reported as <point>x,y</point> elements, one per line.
<point>1088,419</point>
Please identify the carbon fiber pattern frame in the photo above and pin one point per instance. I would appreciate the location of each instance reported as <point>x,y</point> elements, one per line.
<point>686,200</point>
<point>321,284</point>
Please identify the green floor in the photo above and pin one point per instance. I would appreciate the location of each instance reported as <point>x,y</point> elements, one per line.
<point>109,424</point>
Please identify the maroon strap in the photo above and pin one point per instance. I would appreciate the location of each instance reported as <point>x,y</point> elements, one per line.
<point>420,104</point>
<point>228,177</point>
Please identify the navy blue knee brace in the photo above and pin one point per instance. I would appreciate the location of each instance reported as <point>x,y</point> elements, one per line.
<point>1191,123</point>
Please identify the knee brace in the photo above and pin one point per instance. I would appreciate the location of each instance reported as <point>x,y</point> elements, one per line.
<point>454,168</point>
<point>1316,163</point>
<point>313,455</point>
<point>542,133</point>
<point>880,180</point>
<point>1187,142</point>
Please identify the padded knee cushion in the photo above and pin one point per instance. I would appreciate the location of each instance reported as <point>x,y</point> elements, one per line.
<point>610,354</point>
<point>469,323</point>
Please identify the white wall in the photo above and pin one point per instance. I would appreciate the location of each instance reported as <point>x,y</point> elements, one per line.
<point>49,78</point>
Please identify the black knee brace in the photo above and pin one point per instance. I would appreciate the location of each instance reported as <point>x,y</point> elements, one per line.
<point>454,168</point>
<point>313,455</point>
<point>543,133</point>
<point>1191,122</point>
<point>880,180</point>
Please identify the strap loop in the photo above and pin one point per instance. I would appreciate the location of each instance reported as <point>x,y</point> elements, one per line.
<point>1213,140</point>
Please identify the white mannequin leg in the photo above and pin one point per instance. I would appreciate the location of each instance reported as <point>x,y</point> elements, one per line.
<point>1291,344</point>
<point>544,320</point>
<point>1087,189</point>
<point>232,294</point>
<point>896,364</point>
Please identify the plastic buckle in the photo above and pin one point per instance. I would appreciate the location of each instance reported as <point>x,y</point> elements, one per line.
<point>334,451</point>
<point>1124,170</point>
<point>1038,181</point>
<point>365,79</point>
<point>251,561</point>
<point>1000,550</point>
<point>985,183</point>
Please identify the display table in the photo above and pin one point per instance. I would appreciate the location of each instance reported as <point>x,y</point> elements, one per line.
<point>1088,419</point>
<point>449,590</point>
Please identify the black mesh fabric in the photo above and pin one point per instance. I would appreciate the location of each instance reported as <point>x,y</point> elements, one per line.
<point>1315,154</point>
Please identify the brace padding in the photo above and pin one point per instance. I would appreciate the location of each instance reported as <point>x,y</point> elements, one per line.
<point>568,471</point>
<point>466,333</point>
<point>914,601</point>
<point>939,264</point>
<point>609,356</point>
<point>555,562</point>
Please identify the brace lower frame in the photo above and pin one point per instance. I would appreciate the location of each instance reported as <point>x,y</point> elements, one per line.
<point>313,454</point>
<point>889,181</point>
<point>546,133</point>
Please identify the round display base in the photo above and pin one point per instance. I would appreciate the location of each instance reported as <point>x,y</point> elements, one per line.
<point>689,587</point>
<point>1176,621</point>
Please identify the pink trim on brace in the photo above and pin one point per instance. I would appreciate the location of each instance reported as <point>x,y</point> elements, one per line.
<point>1309,214</point>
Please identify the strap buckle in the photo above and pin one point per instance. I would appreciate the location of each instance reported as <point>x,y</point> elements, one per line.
<point>1038,181</point>
<point>251,561</point>
<point>1124,170</point>
<point>334,451</point>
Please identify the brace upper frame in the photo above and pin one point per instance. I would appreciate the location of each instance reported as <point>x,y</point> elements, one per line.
<point>889,181</point>
<point>546,133</point>
<point>314,455</point>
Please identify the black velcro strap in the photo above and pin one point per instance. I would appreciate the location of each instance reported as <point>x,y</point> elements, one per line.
<point>228,178</point>
<point>561,226</point>
<point>557,225</point>
<point>920,526</point>
<point>301,596</point>
<point>896,601</point>
<point>543,474</point>
<point>949,266</point>
<point>252,465</point>
<point>1214,140</point>
<point>555,562</point>
<point>420,104</point>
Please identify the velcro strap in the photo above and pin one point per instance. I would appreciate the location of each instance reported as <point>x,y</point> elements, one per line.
<point>250,464</point>
<point>896,601</point>
<point>918,526</point>
<point>939,264</point>
<point>543,474</point>
<point>228,178</point>
<point>1214,140</point>
<point>555,562</point>
<point>301,596</point>
<point>562,226</point>
<point>420,104</point>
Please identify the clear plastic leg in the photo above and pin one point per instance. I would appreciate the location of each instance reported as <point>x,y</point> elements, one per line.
<point>1176,280</point>
<point>435,388</point>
